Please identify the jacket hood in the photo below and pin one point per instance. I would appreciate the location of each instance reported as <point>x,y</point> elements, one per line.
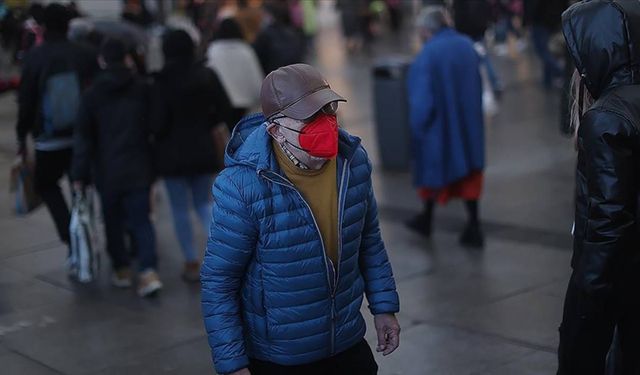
<point>250,145</point>
<point>115,78</point>
<point>186,74</point>
<point>603,38</point>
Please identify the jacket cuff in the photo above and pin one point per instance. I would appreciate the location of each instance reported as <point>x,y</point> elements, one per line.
<point>231,365</point>
<point>386,303</point>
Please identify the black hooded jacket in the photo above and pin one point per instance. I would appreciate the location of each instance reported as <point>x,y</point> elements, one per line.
<point>112,133</point>
<point>603,38</point>
<point>188,101</point>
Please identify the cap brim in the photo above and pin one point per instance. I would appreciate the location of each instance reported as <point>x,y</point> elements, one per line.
<point>311,104</point>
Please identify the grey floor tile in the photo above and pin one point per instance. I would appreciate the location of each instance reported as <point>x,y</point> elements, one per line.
<point>81,338</point>
<point>192,358</point>
<point>531,317</point>
<point>427,349</point>
<point>15,364</point>
<point>536,363</point>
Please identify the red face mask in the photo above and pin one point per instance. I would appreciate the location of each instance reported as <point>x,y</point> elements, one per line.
<point>319,137</point>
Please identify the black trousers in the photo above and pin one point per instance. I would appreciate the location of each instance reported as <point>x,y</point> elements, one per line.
<point>358,360</point>
<point>587,331</point>
<point>51,166</point>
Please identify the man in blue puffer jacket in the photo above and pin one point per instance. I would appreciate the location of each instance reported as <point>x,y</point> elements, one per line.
<point>295,241</point>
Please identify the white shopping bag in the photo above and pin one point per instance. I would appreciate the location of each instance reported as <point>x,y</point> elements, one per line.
<point>84,260</point>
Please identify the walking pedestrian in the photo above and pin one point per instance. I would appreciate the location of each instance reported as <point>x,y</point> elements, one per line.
<point>472,18</point>
<point>544,18</point>
<point>189,101</point>
<point>112,140</point>
<point>54,74</point>
<point>278,44</point>
<point>447,124</point>
<point>603,38</point>
<point>295,241</point>
<point>237,65</point>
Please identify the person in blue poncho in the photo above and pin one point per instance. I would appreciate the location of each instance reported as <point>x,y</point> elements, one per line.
<point>447,123</point>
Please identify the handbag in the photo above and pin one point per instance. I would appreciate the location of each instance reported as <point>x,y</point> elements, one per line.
<point>84,259</point>
<point>221,136</point>
<point>22,185</point>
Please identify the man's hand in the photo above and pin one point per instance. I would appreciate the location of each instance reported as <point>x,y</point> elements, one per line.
<point>244,371</point>
<point>388,331</point>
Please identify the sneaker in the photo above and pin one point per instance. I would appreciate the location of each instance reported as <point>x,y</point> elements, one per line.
<point>149,283</point>
<point>191,272</point>
<point>501,50</point>
<point>420,224</point>
<point>121,278</point>
<point>472,237</point>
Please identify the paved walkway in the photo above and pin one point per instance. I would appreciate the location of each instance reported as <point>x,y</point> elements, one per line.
<point>463,312</point>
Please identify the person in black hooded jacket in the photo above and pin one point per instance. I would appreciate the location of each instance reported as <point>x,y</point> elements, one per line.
<point>111,140</point>
<point>188,101</point>
<point>603,38</point>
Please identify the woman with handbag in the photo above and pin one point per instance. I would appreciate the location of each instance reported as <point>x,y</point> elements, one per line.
<point>188,103</point>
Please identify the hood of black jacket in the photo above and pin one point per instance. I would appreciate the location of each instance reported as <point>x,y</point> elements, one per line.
<point>603,37</point>
<point>115,78</point>
<point>185,75</point>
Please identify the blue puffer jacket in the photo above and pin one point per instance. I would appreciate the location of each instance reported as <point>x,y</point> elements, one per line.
<point>268,290</point>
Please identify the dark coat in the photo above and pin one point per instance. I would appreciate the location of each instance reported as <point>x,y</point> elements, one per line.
<point>603,38</point>
<point>112,133</point>
<point>278,45</point>
<point>472,17</point>
<point>546,13</point>
<point>188,101</point>
<point>445,108</point>
<point>54,55</point>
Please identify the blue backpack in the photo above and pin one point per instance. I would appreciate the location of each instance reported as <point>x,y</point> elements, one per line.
<point>60,103</point>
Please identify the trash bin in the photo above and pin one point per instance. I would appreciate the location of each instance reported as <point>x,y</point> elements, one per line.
<point>391,107</point>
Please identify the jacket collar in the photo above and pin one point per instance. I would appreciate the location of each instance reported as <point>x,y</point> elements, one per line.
<point>251,145</point>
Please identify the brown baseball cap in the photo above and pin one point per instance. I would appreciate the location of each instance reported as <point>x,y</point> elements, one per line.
<point>297,91</point>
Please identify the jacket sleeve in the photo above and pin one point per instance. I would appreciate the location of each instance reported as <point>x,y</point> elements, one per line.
<point>28,98</point>
<point>83,144</point>
<point>606,141</point>
<point>420,95</point>
<point>380,286</point>
<point>231,245</point>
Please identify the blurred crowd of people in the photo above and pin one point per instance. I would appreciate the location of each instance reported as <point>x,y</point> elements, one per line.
<point>105,109</point>
<point>207,68</point>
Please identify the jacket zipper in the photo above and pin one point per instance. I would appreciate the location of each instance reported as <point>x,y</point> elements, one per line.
<point>345,169</point>
<point>324,253</point>
<point>333,284</point>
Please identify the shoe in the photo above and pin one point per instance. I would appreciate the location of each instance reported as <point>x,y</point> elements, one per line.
<point>420,224</point>
<point>121,278</point>
<point>472,237</point>
<point>501,50</point>
<point>149,283</point>
<point>191,272</point>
